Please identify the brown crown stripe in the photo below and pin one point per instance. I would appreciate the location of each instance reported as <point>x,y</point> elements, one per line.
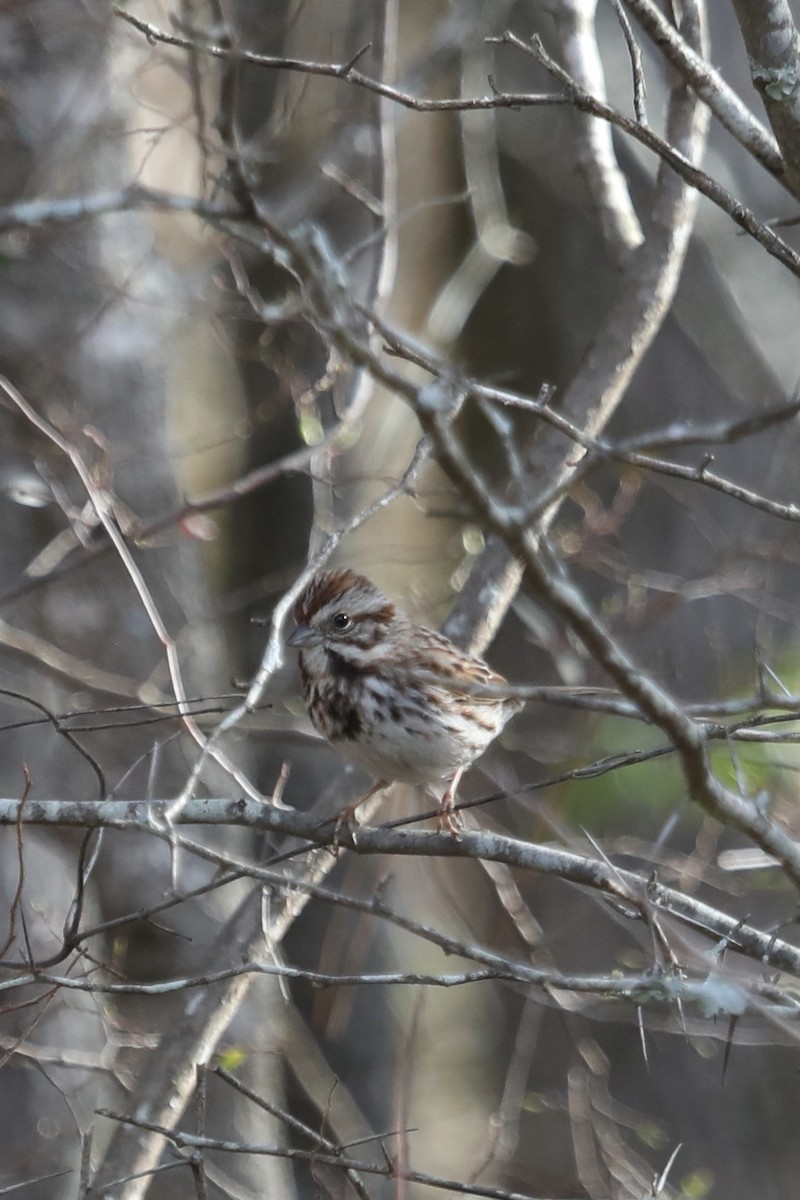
<point>324,587</point>
<point>329,586</point>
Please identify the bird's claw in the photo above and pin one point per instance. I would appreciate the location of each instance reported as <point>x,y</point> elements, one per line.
<point>449,820</point>
<point>346,817</point>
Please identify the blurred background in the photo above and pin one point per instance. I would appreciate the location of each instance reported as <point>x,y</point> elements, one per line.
<point>168,348</point>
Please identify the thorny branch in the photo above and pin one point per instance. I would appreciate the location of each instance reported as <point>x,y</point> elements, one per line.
<point>519,522</point>
<point>310,260</point>
<point>338,1160</point>
<point>572,93</point>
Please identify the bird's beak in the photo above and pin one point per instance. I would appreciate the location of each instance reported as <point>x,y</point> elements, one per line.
<point>301,635</point>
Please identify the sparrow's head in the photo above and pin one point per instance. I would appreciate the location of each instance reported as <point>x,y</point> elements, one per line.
<point>343,612</point>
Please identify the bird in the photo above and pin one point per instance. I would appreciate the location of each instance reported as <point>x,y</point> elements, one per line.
<point>395,698</point>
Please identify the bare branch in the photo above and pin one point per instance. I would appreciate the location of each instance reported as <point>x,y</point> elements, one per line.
<point>710,86</point>
<point>604,180</point>
<point>343,1162</point>
<point>704,184</point>
<point>773,48</point>
<point>345,71</point>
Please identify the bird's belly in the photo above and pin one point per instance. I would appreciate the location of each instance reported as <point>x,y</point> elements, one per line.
<point>423,751</point>
<point>394,761</point>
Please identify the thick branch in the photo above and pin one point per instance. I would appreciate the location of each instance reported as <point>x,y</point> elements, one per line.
<point>710,86</point>
<point>596,874</point>
<point>773,50</point>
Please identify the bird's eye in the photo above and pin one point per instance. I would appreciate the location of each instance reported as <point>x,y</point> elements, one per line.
<point>341,621</point>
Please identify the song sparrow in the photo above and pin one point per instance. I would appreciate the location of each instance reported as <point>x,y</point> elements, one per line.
<point>397,699</point>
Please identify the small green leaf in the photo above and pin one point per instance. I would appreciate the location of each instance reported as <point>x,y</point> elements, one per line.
<point>533,1103</point>
<point>311,430</point>
<point>231,1058</point>
<point>697,1184</point>
<point>652,1135</point>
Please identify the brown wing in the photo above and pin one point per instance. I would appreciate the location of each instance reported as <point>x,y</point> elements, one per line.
<point>440,662</point>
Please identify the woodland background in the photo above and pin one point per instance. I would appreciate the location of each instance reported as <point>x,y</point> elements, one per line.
<point>493,302</point>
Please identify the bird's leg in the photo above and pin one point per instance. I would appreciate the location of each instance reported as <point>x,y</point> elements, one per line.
<point>449,820</point>
<point>347,816</point>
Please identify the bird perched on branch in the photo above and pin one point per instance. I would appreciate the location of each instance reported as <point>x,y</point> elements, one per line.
<point>395,698</point>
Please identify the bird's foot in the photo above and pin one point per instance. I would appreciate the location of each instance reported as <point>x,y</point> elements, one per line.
<point>347,817</point>
<point>449,820</point>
